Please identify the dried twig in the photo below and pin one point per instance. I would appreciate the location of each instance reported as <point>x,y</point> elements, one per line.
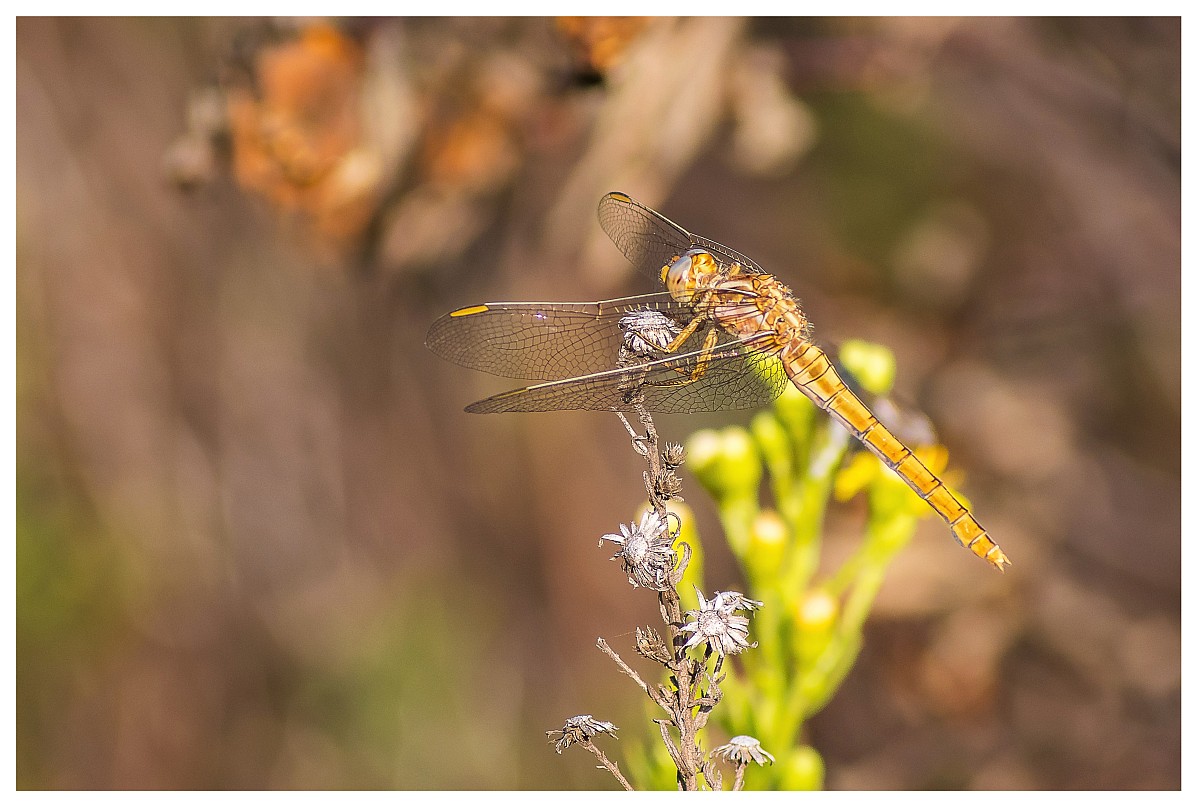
<point>631,673</point>
<point>607,763</point>
<point>683,702</point>
<point>654,558</point>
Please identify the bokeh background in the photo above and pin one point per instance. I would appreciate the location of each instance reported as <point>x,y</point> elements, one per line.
<point>259,544</point>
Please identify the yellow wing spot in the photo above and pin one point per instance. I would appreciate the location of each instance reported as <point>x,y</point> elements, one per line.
<point>465,312</point>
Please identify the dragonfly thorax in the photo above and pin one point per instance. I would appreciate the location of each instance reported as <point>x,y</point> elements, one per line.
<point>690,273</point>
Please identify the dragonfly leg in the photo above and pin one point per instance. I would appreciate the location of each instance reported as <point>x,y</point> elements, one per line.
<point>691,326</point>
<point>709,342</point>
<point>703,359</point>
<point>700,368</point>
<point>682,336</point>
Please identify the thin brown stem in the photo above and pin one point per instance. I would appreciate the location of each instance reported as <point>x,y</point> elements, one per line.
<point>631,673</point>
<point>653,457</point>
<point>671,748</point>
<point>612,767</point>
<point>686,720</point>
<point>739,782</point>
<point>685,705</point>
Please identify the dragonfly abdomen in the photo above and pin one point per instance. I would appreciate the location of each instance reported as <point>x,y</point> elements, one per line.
<point>811,371</point>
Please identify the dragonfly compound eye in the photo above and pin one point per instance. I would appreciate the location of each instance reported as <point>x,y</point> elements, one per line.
<point>672,270</point>
<point>688,273</point>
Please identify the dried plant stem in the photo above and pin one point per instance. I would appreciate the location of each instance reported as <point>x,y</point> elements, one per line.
<point>687,706</point>
<point>612,767</point>
<point>631,673</point>
<point>739,782</point>
<point>688,757</point>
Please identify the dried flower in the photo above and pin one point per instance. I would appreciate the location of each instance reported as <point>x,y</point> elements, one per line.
<point>673,455</point>
<point>730,601</point>
<point>743,749</point>
<point>667,485</point>
<point>715,624</point>
<point>650,645</point>
<point>646,551</point>
<point>647,333</point>
<point>580,728</point>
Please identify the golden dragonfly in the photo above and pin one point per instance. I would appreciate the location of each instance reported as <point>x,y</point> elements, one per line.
<point>724,334</point>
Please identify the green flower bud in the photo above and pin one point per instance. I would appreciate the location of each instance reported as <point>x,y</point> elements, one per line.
<point>801,769</point>
<point>725,462</point>
<point>816,612</point>
<point>775,446</point>
<point>743,466</point>
<point>796,413</point>
<point>703,451</point>
<point>814,615</point>
<point>872,365</point>
<point>769,539</point>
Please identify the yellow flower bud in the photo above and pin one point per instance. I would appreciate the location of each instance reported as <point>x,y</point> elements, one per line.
<point>817,612</point>
<point>801,769</point>
<point>769,538</point>
<point>855,476</point>
<point>872,365</point>
<point>726,462</point>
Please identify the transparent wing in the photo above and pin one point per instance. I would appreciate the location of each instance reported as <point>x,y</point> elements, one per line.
<point>548,341</point>
<point>735,375</point>
<point>649,240</point>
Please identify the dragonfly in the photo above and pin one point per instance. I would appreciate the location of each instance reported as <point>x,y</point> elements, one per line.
<point>722,334</point>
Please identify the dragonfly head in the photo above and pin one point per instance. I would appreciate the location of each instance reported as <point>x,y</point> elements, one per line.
<point>688,273</point>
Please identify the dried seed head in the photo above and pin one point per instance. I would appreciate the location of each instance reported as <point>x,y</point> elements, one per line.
<point>647,333</point>
<point>673,455</point>
<point>743,749</point>
<point>730,601</point>
<point>646,551</point>
<point>715,624</point>
<point>579,729</point>
<point>650,645</point>
<point>667,485</point>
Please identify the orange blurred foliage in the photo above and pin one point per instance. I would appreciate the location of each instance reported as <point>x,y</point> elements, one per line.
<point>295,139</point>
<point>602,40</point>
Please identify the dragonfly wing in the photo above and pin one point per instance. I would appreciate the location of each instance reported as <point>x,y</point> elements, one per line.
<point>543,340</point>
<point>548,341</point>
<point>727,256</point>
<point>649,240</point>
<point>735,375</point>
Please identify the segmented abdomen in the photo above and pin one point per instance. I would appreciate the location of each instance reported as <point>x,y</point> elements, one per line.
<point>811,371</point>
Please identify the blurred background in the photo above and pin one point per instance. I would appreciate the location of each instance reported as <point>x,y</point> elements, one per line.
<point>259,544</point>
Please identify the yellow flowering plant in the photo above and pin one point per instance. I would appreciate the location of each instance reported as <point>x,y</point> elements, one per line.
<point>809,631</point>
